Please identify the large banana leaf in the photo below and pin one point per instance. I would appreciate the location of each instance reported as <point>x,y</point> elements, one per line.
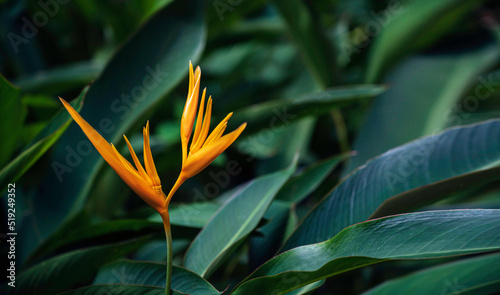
<point>424,98</point>
<point>457,151</point>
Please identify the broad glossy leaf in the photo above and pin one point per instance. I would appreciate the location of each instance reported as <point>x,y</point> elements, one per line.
<point>153,274</point>
<point>454,152</point>
<point>12,114</point>
<point>429,234</point>
<point>404,28</point>
<point>428,194</point>
<point>477,275</point>
<point>425,92</point>
<point>145,69</point>
<point>278,113</point>
<point>237,218</point>
<point>62,272</point>
<point>39,145</point>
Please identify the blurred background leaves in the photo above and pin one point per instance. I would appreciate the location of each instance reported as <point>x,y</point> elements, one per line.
<point>317,79</point>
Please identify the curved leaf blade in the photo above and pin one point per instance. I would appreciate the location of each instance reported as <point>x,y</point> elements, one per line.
<point>409,20</point>
<point>58,273</point>
<point>39,145</point>
<point>281,112</point>
<point>12,113</point>
<point>425,91</point>
<point>129,272</point>
<point>477,275</point>
<point>409,236</point>
<point>234,221</point>
<point>454,152</point>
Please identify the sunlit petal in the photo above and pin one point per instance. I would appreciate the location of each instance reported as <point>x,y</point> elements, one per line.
<point>206,155</point>
<point>148,160</point>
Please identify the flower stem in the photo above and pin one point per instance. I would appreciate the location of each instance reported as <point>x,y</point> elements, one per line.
<point>168,234</point>
<point>177,184</point>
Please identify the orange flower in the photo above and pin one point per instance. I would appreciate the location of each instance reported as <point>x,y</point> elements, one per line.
<point>202,152</point>
<point>144,183</point>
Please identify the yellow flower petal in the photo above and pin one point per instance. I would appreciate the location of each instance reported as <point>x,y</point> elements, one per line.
<point>199,120</point>
<point>189,113</point>
<point>207,154</point>
<point>121,166</point>
<point>137,162</point>
<point>148,160</point>
<point>217,129</point>
<point>198,143</point>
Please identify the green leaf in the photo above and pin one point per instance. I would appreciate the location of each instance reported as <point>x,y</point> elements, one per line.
<point>308,289</point>
<point>278,113</point>
<point>424,93</point>
<point>428,194</point>
<point>300,186</point>
<point>153,274</point>
<point>307,32</point>
<point>39,145</point>
<point>195,215</point>
<point>104,232</point>
<point>410,236</point>
<point>410,27</point>
<point>236,219</point>
<point>58,273</point>
<point>62,79</point>
<point>144,70</point>
<point>477,275</point>
<point>12,114</point>
<point>454,152</point>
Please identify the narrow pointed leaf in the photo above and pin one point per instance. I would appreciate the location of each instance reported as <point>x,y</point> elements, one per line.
<point>278,113</point>
<point>233,222</point>
<point>39,145</point>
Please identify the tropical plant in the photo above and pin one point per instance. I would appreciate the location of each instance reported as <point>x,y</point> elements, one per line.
<point>365,156</point>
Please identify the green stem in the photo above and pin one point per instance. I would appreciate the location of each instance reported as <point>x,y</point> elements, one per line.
<point>168,234</point>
